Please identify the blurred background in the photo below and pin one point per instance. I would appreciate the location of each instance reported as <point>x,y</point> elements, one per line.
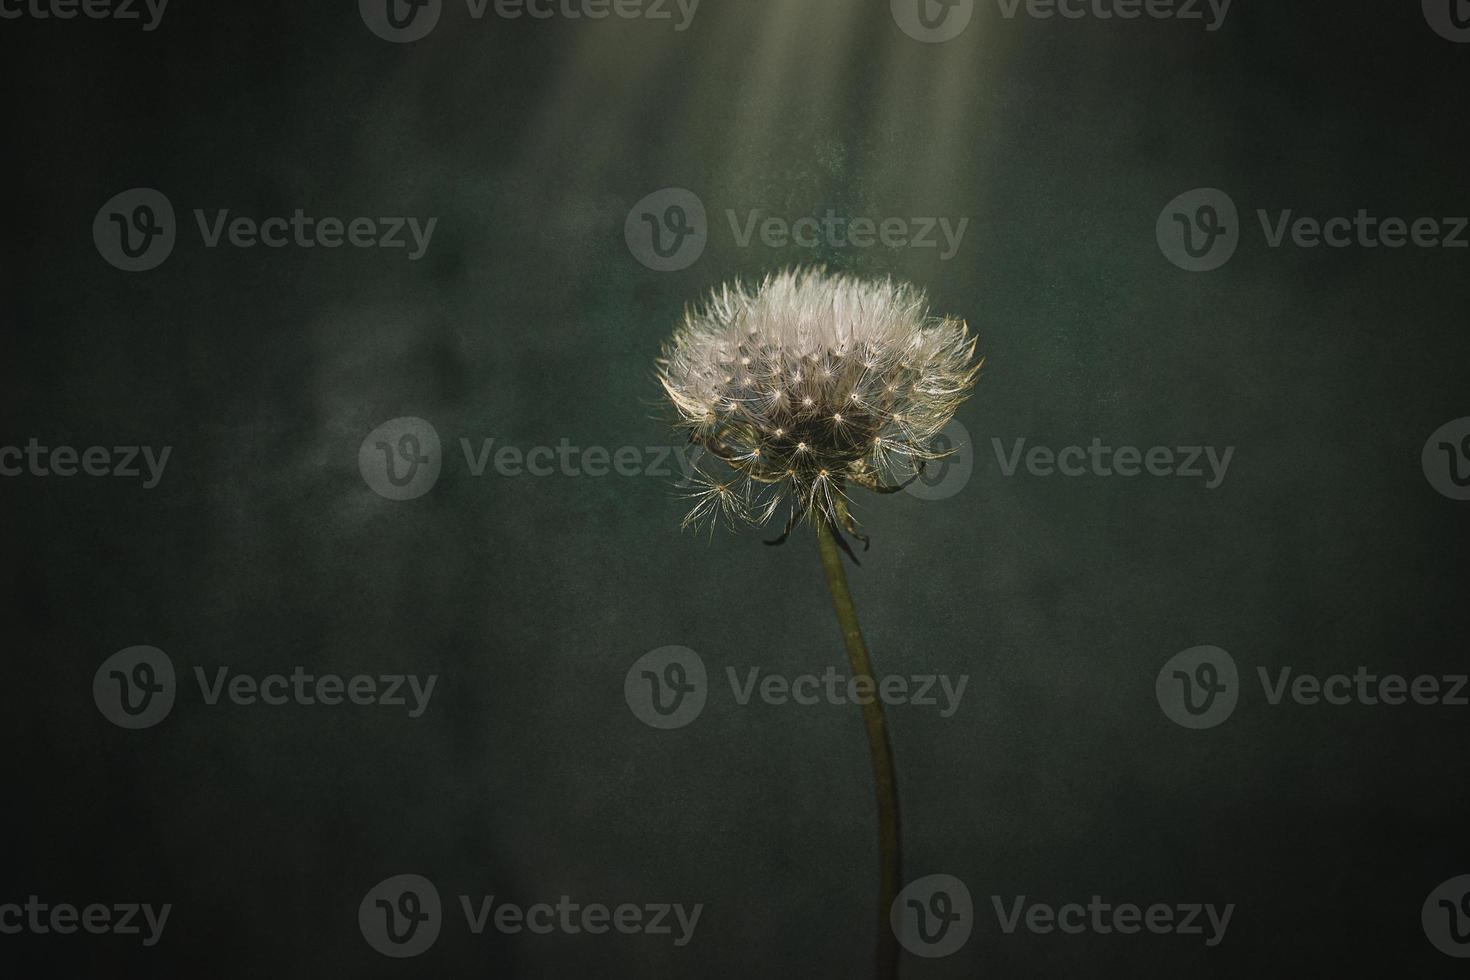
<point>535,315</point>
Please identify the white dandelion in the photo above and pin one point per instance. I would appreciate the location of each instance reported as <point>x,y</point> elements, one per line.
<point>813,383</point>
<point>800,389</point>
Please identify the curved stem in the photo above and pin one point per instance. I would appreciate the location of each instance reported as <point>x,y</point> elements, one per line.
<point>879,748</point>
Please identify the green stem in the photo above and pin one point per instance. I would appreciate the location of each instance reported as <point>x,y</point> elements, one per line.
<point>879,748</point>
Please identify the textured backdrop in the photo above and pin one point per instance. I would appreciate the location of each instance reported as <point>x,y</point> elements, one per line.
<point>533,316</point>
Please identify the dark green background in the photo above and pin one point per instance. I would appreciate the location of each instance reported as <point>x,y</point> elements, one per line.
<point>529,321</point>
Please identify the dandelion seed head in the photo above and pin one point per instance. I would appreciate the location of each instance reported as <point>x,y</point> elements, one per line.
<point>874,378</point>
